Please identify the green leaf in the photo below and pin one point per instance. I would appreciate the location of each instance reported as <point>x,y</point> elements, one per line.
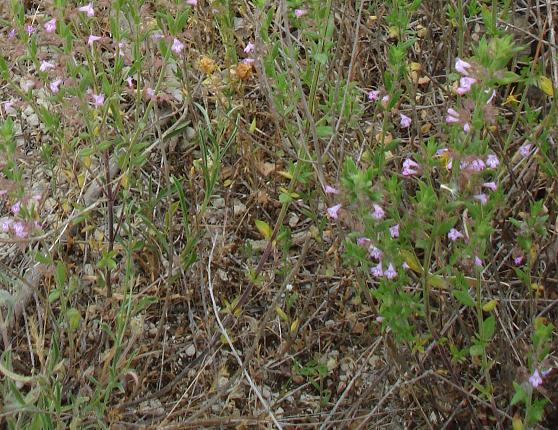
<point>488,328</point>
<point>321,58</point>
<point>476,350</point>
<point>74,318</point>
<point>264,229</point>
<point>464,298</point>
<point>520,394</point>
<point>324,131</point>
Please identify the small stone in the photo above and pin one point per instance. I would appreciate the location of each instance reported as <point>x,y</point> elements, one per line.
<point>191,350</point>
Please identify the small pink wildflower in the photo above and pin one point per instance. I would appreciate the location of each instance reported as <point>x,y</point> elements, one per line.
<point>46,66</point>
<point>330,190</point>
<point>29,29</point>
<point>385,101</point>
<point>98,99</point>
<point>157,35</point>
<point>333,211</point>
<point>363,241</point>
<point>390,272</point>
<point>465,84</point>
<point>377,271</point>
<point>300,12</point>
<point>535,379</point>
<point>409,167</point>
<point>405,121</point>
<point>462,67</point>
<point>453,116</point>
<point>5,224</point>
<point>378,212</point>
<point>490,185</point>
<point>19,229</point>
<point>379,319</point>
<point>477,165</point>
<point>15,208</point>
<point>518,260</point>
<point>88,9</point>
<point>482,198</point>
<point>129,80</point>
<point>248,61</point>
<point>454,234</point>
<point>192,2</point>
<point>249,48</point>
<point>405,266</point>
<point>394,231</point>
<point>149,92</point>
<point>50,26</point>
<point>492,161</point>
<point>478,261</point>
<point>373,95</point>
<point>92,39</point>
<point>466,127</point>
<point>525,149</point>
<point>12,33</point>
<point>177,46</point>
<point>55,85</point>
<point>375,253</point>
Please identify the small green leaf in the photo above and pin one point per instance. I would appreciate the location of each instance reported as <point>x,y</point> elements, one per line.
<point>74,318</point>
<point>488,328</point>
<point>475,350</point>
<point>264,229</point>
<point>464,298</point>
<point>321,58</point>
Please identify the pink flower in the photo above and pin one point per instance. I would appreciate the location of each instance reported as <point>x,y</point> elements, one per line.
<point>300,12</point>
<point>405,266</point>
<point>157,35</point>
<point>454,234</point>
<point>92,39</point>
<point>333,211</point>
<point>453,116</point>
<point>248,61</point>
<point>490,185</point>
<point>50,26</point>
<point>394,231</point>
<point>12,33</point>
<point>19,229</point>
<point>377,271</point>
<point>373,95</point>
<point>535,379</point>
<point>363,241</point>
<point>46,66</point>
<point>462,67</point>
<point>129,80</point>
<point>409,167</point>
<point>525,149</point>
<point>330,190</point>
<point>121,47</point>
<point>249,48</point>
<point>5,224</point>
<point>390,272</point>
<point>385,101</point>
<point>177,46</point>
<point>378,212</point>
<point>492,161</point>
<point>518,260</point>
<point>478,261</point>
<point>477,165</point>
<point>29,29</point>
<point>465,84</point>
<point>15,208</point>
<point>466,127</point>
<point>55,85</point>
<point>98,99</point>
<point>375,253</point>
<point>149,92</point>
<point>192,2</point>
<point>379,319</point>
<point>482,198</point>
<point>88,9</point>
<point>405,121</point>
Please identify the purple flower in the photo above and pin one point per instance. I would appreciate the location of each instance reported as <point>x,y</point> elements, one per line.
<point>249,48</point>
<point>330,190</point>
<point>55,85</point>
<point>478,261</point>
<point>177,46</point>
<point>192,2</point>
<point>5,224</point>
<point>465,84</point>
<point>375,253</point>
<point>405,121</point>
<point>332,211</point>
<point>378,212</point>
<point>50,26</point>
<point>149,92</point>
<point>462,67</point>
<point>535,379</point>
<point>454,234</point>
<point>390,272</point>
<point>405,266</point>
<point>19,229</point>
<point>377,271</point>
<point>466,127</point>
<point>492,161</point>
<point>453,116</point>
<point>129,81</point>
<point>46,66</point>
<point>482,198</point>
<point>88,9</point>
<point>363,241</point>
<point>29,29</point>
<point>477,165</point>
<point>490,185</point>
<point>385,100</point>
<point>373,95</point>
<point>409,167</point>
<point>15,208</point>
<point>12,33</point>
<point>525,149</point>
<point>157,35</point>
<point>98,99</point>
<point>394,231</point>
<point>518,260</point>
<point>248,61</point>
<point>92,39</point>
<point>300,12</point>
